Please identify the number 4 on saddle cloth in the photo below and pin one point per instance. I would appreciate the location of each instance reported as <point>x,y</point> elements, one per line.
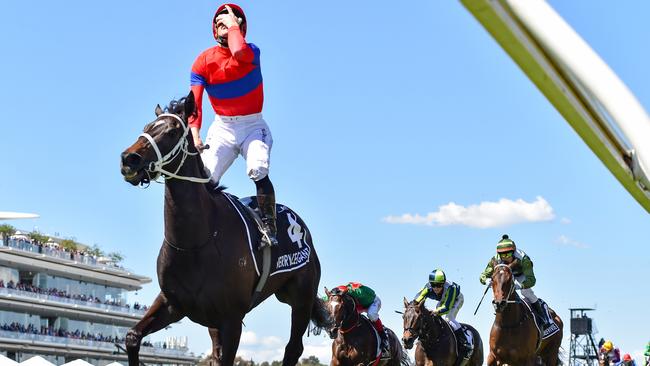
<point>295,246</point>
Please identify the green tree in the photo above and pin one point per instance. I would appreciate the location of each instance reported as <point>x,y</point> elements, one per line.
<point>310,361</point>
<point>69,244</point>
<point>38,237</point>
<point>6,231</point>
<point>95,250</point>
<point>116,257</point>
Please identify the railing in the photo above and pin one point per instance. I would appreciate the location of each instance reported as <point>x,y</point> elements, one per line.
<point>98,345</point>
<point>53,253</point>
<point>89,304</point>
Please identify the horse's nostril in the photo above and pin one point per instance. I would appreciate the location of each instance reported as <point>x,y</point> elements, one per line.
<point>132,160</point>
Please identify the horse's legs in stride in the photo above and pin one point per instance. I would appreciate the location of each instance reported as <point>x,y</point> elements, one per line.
<point>159,315</point>
<point>216,347</point>
<point>229,335</point>
<point>300,315</point>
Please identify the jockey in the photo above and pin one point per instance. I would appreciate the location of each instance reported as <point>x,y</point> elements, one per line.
<point>367,301</point>
<point>231,74</point>
<point>522,270</point>
<point>450,300</point>
<point>627,361</point>
<point>647,353</point>
<point>612,353</point>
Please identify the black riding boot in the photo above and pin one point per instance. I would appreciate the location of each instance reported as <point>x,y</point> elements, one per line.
<point>266,204</point>
<point>464,348</point>
<point>537,306</point>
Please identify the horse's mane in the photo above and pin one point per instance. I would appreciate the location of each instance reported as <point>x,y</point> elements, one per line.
<point>178,107</point>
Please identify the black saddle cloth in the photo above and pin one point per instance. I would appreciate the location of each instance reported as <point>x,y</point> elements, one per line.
<point>295,247</point>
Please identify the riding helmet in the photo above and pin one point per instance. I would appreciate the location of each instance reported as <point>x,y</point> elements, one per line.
<point>239,13</point>
<point>437,276</point>
<point>506,245</point>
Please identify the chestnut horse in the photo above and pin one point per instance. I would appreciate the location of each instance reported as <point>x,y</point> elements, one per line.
<point>437,344</point>
<point>206,270</point>
<point>514,338</point>
<point>355,341</point>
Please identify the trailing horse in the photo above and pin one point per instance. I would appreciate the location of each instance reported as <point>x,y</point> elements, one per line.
<point>437,344</point>
<point>515,338</point>
<point>356,342</point>
<point>208,264</point>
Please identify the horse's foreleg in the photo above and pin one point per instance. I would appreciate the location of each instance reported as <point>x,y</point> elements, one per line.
<point>300,315</point>
<point>159,315</point>
<point>229,335</point>
<point>216,346</point>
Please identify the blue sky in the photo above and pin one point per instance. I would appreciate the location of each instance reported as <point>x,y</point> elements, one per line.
<point>377,110</point>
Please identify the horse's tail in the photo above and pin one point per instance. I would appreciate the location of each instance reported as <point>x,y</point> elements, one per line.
<point>404,357</point>
<point>400,357</point>
<point>320,317</point>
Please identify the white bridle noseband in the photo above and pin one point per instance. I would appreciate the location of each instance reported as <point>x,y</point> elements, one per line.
<point>181,147</point>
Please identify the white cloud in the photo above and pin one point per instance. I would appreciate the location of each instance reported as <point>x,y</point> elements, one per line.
<point>248,338</point>
<point>486,214</point>
<point>271,348</point>
<point>565,240</point>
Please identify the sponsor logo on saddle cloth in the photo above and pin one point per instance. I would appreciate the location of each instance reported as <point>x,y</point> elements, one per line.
<point>293,250</point>
<point>544,331</point>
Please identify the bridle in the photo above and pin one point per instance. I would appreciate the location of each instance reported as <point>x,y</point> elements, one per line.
<point>156,168</point>
<point>512,287</point>
<point>422,332</point>
<point>415,333</point>
<point>339,326</point>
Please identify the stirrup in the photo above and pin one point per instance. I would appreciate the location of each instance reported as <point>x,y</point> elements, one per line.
<point>268,239</point>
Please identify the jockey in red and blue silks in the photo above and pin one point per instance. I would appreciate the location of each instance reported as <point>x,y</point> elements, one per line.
<point>230,72</point>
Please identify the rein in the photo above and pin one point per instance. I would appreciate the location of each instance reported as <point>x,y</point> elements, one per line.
<point>356,323</point>
<point>181,147</point>
<point>184,250</point>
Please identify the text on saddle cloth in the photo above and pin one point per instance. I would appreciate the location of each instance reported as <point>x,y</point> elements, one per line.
<point>545,331</point>
<point>294,249</point>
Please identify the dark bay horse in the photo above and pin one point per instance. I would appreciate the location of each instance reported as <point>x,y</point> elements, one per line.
<point>436,345</point>
<point>514,338</point>
<point>355,341</point>
<point>205,268</point>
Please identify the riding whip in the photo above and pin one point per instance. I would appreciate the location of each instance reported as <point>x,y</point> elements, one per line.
<point>482,297</point>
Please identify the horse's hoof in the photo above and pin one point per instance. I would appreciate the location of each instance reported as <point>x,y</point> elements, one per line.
<point>132,339</point>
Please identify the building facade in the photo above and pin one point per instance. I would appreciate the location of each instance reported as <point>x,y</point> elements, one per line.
<point>65,305</point>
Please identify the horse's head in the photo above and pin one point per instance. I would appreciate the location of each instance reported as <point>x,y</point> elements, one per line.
<point>163,141</point>
<point>503,286</point>
<point>341,307</point>
<point>414,314</point>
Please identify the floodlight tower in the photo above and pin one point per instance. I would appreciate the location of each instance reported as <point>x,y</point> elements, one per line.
<point>583,349</point>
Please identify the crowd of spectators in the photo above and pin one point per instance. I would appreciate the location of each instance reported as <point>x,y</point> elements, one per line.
<point>60,293</point>
<point>54,249</point>
<point>60,332</point>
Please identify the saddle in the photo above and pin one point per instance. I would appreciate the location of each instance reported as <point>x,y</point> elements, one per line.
<point>378,361</point>
<point>468,351</point>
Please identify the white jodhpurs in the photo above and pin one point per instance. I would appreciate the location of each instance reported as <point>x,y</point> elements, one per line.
<point>450,317</point>
<point>527,293</point>
<point>373,309</point>
<point>228,137</point>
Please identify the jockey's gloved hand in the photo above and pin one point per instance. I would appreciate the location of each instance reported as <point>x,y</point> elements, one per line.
<point>517,286</point>
<point>488,282</point>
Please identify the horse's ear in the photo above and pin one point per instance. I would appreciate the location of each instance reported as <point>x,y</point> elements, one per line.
<point>327,292</point>
<point>406,302</point>
<point>158,110</point>
<point>421,304</point>
<point>190,104</point>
